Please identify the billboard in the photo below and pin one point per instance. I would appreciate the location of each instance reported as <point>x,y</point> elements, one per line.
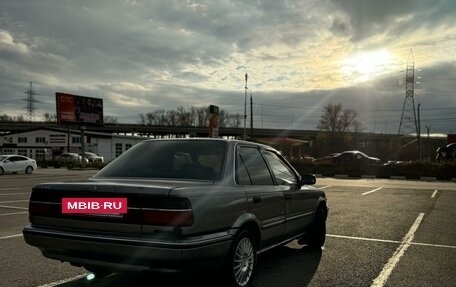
<point>78,110</point>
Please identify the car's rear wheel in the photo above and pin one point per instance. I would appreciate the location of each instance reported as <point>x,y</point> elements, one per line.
<point>241,262</point>
<point>315,239</point>
<point>29,170</point>
<point>1,170</point>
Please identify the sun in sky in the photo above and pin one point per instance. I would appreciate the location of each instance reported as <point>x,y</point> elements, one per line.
<point>365,66</point>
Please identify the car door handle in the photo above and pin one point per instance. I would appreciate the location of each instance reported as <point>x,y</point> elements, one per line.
<point>256,199</point>
<point>287,196</point>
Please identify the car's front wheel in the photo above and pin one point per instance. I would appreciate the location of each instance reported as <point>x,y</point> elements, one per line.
<point>315,239</point>
<point>29,170</point>
<point>1,170</point>
<point>241,262</point>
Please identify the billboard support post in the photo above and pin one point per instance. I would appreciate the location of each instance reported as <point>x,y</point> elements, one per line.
<point>82,146</point>
<point>68,139</point>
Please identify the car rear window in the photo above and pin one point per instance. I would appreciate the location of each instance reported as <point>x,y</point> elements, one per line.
<point>177,159</point>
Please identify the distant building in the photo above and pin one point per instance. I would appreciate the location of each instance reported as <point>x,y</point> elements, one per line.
<point>45,143</point>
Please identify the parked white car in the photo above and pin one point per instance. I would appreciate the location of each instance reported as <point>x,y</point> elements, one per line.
<point>70,157</point>
<point>17,163</point>
<point>91,157</point>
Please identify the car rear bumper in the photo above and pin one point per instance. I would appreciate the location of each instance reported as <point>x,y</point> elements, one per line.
<point>132,253</point>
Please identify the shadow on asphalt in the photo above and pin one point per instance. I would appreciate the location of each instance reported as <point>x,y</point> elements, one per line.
<point>282,266</point>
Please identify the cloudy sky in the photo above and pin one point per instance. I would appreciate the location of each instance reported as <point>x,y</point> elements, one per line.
<point>139,56</point>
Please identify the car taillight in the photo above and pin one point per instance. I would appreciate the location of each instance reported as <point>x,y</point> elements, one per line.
<point>40,209</point>
<point>167,217</point>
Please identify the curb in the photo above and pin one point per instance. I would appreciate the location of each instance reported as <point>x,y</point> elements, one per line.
<point>428,178</point>
<point>341,175</point>
<point>397,177</point>
<point>368,176</point>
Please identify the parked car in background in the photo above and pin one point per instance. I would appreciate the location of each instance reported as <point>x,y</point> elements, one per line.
<point>193,204</point>
<point>329,157</point>
<point>17,163</point>
<point>69,157</point>
<point>91,157</point>
<point>446,153</point>
<point>355,157</point>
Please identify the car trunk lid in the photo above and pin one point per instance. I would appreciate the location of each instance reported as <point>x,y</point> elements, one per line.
<point>148,204</point>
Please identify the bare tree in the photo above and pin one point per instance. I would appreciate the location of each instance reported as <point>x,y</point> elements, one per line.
<point>335,119</point>
<point>142,119</point>
<point>7,118</point>
<point>182,116</point>
<point>110,120</point>
<point>336,122</point>
<point>50,118</point>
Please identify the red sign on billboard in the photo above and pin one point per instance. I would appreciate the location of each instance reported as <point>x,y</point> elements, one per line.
<point>72,109</point>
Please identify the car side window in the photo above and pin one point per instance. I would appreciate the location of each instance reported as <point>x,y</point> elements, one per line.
<point>283,174</point>
<point>255,166</point>
<point>242,175</point>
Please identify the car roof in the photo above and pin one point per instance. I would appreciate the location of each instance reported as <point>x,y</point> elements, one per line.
<point>230,141</point>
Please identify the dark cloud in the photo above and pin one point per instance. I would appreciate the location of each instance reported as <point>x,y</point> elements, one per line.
<point>396,18</point>
<point>143,55</point>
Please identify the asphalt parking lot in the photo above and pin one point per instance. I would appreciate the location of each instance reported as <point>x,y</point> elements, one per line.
<point>380,233</point>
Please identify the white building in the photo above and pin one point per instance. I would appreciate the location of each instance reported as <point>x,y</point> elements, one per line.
<point>47,142</point>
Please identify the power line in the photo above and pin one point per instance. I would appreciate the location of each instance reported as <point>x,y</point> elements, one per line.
<point>424,109</point>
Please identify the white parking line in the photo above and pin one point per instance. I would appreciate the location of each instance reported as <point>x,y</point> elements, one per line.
<point>434,193</point>
<point>11,236</point>
<point>434,245</point>
<point>325,187</point>
<point>13,201</point>
<point>13,213</point>
<point>9,188</point>
<point>389,266</point>
<point>13,207</point>
<point>63,281</point>
<point>374,190</point>
<point>18,193</point>
<point>389,241</point>
<point>364,238</point>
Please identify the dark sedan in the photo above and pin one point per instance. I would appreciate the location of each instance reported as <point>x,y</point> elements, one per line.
<point>356,157</point>
<point>191,204</point>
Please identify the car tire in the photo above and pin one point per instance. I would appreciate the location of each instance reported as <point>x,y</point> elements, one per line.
<point>240,265</point>
<point>315,239</point>
<point>1,170</point>
<point>29,170</point>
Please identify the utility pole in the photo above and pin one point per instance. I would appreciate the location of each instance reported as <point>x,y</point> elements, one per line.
<point>261,116</point>
<point>245,108</point>
<point>251,115</point>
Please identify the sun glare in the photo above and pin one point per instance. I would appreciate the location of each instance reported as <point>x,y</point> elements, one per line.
<point>365,66</point>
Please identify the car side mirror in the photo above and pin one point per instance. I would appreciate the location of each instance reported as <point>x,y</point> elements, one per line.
<point>308,179</point>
